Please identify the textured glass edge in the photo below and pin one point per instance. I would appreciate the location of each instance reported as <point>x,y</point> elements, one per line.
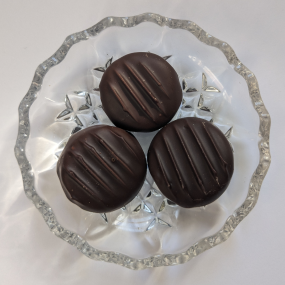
<point>203,244</point>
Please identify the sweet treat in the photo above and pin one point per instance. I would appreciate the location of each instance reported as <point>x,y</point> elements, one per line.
<point>191,161</point>
<point>140,92</point>
<point>102,168</point>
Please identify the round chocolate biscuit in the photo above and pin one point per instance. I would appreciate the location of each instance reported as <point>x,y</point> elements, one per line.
<point>102,168</point>
<point>140,92</point>
<point>191,161</point>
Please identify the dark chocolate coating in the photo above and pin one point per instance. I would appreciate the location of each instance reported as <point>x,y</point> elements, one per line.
<point>191,161</point>
<point>140,92</point>
<point>102,168</point>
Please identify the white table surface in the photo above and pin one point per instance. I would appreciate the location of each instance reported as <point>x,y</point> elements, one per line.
<point>31,31</point>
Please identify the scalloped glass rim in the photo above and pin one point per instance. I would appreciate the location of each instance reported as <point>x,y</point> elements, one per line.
<point>203,244</point>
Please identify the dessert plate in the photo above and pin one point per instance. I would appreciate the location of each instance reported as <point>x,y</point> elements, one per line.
<point>150,231</point>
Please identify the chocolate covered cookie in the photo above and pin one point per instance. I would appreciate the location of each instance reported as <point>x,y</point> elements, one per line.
<point>140,92</point>
<point>191,162</point>
<point>102,168</point>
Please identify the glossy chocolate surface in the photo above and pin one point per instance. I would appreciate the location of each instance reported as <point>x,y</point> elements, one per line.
<point>102,168</point>
<point>140,92</point>
<point>191,162</point>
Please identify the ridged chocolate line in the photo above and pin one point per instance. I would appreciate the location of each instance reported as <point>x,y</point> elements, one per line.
<point>86,190</point>
<point>142,83</point>
<point>122,103</point>
<point>139,79</point>
<point>178,172</point>
<point>214,172</point>
<point>133,93</point>
<point>162,170</point>
<point>100,182</point>
<point>125,142</point>
<point>108,148</point>
<point>93,151</point>
<point>154,78</point>
<point>151,74</point>
<point>173,193</point>
<point>217,150</point>
<point>168,184</point>
<point>200,182</point>
<point>174,163</point>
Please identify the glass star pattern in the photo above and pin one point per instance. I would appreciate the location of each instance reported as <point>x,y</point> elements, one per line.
<point>88,108</point>
<point>68,113</point>
<point>195,104</point>
<point>104,68</point>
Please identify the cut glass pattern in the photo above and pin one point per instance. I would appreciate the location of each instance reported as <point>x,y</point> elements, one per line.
<point>190,107</point>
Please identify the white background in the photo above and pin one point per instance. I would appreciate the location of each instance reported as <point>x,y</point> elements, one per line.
<point>31,31</point>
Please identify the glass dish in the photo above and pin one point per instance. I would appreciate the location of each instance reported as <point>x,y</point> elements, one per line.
<point>151,231</point>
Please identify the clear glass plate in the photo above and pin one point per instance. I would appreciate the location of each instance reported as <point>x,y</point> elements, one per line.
<point>150,231</point>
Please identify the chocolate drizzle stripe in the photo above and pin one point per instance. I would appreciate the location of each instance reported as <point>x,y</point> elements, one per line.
<point>174,163</point>
<point>140,103</point>
<point>86,190</point>
<point>125,142</point>
<point>224,163</point>
<point>151,74</point>
<point>93,151</point>
<point>214,172</point>
<point>109,149</point>
<point>122,103</point>
<point>200,182</point>
<point>164,91</point>
<point>138,77</point>
<point>162,170</point>
<point>101,183</point>
<point>154,78</point>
